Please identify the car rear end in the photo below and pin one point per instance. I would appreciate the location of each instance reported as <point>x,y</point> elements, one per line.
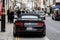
<point>29,28</point>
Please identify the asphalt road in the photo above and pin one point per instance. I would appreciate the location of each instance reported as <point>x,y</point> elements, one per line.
<point>52,30</point>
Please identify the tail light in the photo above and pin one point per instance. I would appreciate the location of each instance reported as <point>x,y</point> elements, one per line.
<point>40,23</point>
<point>19,23</point>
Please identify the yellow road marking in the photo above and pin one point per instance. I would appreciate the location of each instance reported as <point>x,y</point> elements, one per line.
<point>17,38</point>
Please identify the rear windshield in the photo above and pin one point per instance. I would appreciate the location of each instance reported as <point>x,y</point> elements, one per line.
<point>29,16</point>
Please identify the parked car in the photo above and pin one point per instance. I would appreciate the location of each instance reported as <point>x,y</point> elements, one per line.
<point>56,14</point>
<point>29,25</point>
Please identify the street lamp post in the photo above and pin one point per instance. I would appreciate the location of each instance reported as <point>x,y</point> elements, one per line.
<point>49,6</point>
<point>3,18</point>
<point>32,3</point>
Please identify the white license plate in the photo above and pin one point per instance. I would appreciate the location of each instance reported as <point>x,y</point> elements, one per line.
<point>29,28</point>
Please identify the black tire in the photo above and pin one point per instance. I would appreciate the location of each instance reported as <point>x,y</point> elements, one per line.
<point>14,35</point>
<point>44,34</point>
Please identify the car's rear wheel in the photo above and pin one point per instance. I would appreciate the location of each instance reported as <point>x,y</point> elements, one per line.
<point>44,34</point>
<point>14,34</point>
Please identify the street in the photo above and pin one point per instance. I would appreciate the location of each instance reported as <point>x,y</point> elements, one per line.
<point>32,11</point>
<point>52,31</point>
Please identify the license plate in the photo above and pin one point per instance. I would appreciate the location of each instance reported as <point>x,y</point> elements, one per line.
<point>29,28</point>
<point>27,23</point>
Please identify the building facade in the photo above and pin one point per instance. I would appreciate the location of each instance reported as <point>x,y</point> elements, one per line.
<point>33,3</point>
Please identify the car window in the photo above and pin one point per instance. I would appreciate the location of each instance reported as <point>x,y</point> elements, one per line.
<point>29,16</point>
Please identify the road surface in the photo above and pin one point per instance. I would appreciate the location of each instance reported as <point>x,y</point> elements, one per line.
<point>52,30</point>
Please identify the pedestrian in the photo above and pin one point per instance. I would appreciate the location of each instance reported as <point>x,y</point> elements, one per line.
<point>8,13</point>
<point>38,11</point>
<point>18,12</point>
<point>11,16</point>
<point>33,12</point>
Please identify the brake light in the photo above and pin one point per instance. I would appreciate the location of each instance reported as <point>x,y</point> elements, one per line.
<point>19,23</point>
<point>40,24</point>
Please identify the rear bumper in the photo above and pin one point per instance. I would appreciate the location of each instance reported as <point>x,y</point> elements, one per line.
<point>24,33</point>
<point>30,34</point>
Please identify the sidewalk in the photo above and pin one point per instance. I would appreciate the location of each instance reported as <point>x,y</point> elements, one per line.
<point>8,34</point>
<point>3,36</point>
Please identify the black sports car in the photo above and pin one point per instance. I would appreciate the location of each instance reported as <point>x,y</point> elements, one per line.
<point>29,25</point>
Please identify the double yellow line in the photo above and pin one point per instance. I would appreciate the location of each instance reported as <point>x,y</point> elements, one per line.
<point>17,38</point>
